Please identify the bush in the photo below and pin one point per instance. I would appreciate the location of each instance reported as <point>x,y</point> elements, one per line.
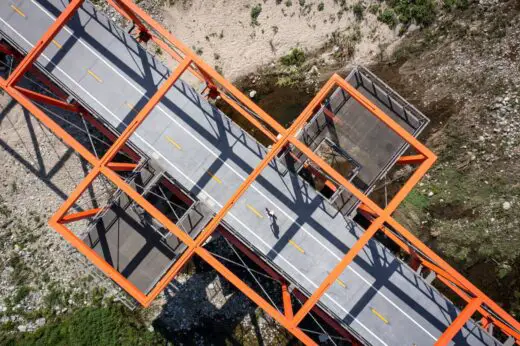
<point>295,58</point>
<point>388,17</point>
<point>422,11</point>
<point>90,326</point>
<point>321,6</point>
<point>358,10</point>
<point>21,294</point>
<point>255,12</point>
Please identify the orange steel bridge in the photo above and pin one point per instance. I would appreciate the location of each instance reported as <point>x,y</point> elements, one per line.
<point>478,305</point>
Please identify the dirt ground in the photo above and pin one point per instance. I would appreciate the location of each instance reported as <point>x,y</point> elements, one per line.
<point>225,34</point>
<point>464,73</point>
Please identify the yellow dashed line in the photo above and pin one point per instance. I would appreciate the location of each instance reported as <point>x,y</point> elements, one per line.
<point>250,207</point>
<point>296,246</point>
<point>57,44</point>
<point>341,283</point>
<point>374,311</point>
<point>96,77</point>
<point>175,144</point>
<point>17,10</point>
<point>214,177</point>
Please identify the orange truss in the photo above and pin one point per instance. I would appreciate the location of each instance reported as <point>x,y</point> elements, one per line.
<point>382,219</point>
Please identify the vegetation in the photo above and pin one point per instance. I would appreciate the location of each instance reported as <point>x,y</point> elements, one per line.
<point>255,12</point>
<point>358,10</point>
<point>113,325</point>
<point>388,17</point>
<point>321,6</point>
<point>296,57</point>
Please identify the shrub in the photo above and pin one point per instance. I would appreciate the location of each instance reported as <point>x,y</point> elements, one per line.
<point>296,57</point>
<point>90,326</point>
<point>321,6</point>
<point>255,12</point>
<point>358,10</point>
<point>422,11</point>
<point>388,17</point>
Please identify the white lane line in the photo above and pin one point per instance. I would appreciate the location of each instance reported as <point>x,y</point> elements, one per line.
<point>232,169</point>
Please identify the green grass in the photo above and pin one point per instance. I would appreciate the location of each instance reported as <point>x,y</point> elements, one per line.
<point>296,57</point>
<point>21,293</point>
<point>89,326</point>
<point>388,17</point>
<point>255,12</point>
<point>421,11</point>
<point>358,10</point>
<point>417,200</point>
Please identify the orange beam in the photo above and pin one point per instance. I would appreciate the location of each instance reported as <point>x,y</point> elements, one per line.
<point>444,265</point>
<point>331,115</point>
<point>249,117</point>
<point>411,159</point>
<point>47,99</point>
<point>287,304</point>
<point>143,113</point>
<point>255,297</point>
<point>505,328</point>
<point>212,225</point>
<point>48,122</point>
<point>336,272</point>
<point>98,261</point>
<point>459,322</point>
<point>128,14</point>
<point>44,41</point>
<point>80,215</point>
<point>201,65</point>
<point>121,166</point>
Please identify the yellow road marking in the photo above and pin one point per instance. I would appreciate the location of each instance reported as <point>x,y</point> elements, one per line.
<point>374,311</point>
<point>296,246</point>
<point>17,10</point>
<point>96,77</point>
<point>169,139</point>
<point>214,177</point>
<point>341,283</point>
<point>255,211</point>
<point>57,44</point>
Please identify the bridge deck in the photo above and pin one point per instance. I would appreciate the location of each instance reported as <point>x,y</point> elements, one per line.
<point>108,71</point>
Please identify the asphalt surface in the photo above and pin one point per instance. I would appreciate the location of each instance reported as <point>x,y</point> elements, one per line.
<point>377,297</point>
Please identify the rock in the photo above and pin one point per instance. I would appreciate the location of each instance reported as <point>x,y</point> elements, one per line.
<point>150,329</point>
<point>22,328</point>
<point>323,338</point>
<point>314,71</point>
<point>435,233</point>
<point>506,205</point>
<point>40,322</point>
<point>252,94</point>
<point>413,27</point>
<point>430,193</point>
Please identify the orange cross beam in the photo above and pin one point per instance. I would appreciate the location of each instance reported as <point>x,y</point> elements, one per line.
<point>44,41</point>
<point>80,215</point>
<point>411,159</point>
<point>121,166</point>
<point>459,322</point>
<point>32,95</point>
<point>48,122</point>
<point>287,304</point>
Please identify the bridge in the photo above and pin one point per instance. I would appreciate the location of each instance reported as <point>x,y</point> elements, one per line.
<point>296,201</point>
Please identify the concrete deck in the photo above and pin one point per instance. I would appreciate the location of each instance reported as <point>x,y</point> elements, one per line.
<point>215,157</point>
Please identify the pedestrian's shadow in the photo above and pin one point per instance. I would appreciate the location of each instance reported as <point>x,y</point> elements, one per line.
<point>274,225</point>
